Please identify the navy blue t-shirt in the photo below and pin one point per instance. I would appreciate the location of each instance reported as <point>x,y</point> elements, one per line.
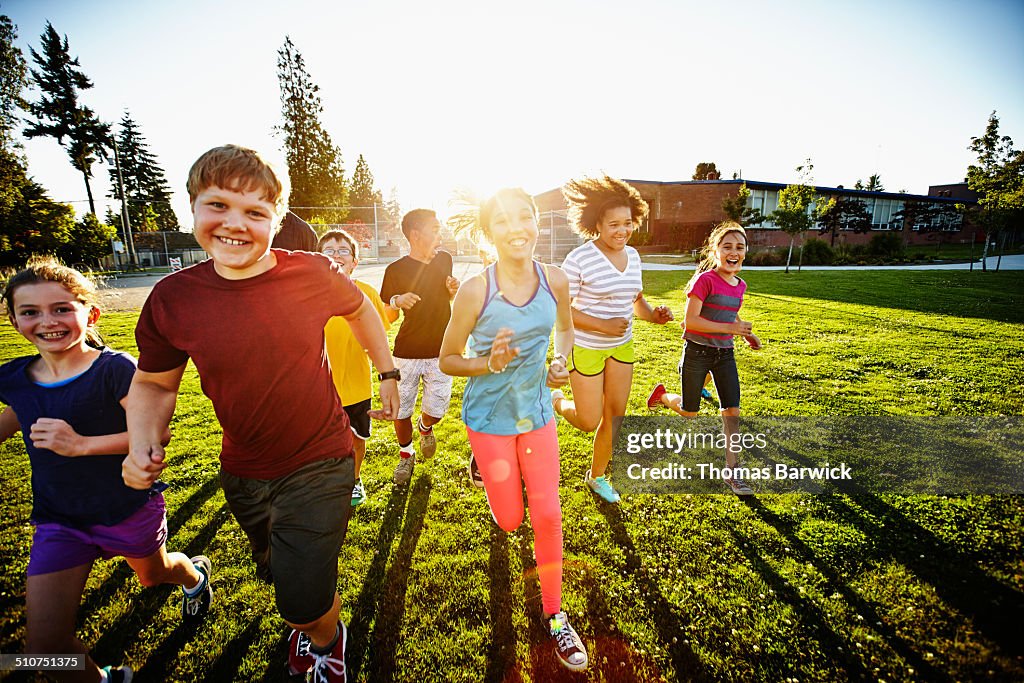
<point>76,491</point>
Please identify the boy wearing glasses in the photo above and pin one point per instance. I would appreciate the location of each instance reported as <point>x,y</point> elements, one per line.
<point>350,366</point>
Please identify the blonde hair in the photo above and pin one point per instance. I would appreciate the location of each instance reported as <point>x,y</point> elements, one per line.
<point>706,261</point>
<point>589,198</point>
<point>472,216</point>
<point>41,269</point>
<point>238,169</point>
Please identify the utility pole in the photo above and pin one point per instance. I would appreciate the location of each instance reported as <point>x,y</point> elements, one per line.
<point>126,225</point>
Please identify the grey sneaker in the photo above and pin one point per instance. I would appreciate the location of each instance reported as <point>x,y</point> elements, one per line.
<point>740,487</point>
<point>428,445</point>
<point>194,607</point>
<point>569,648</point>
<point>403,470</point>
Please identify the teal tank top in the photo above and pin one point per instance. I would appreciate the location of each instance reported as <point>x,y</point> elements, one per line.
<point>517,400</point>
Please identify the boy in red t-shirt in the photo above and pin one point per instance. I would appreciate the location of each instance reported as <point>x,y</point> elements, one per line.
<point>252,320</point>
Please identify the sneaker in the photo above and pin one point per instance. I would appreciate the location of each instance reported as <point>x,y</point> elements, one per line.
<point>300,659</point>
<point>654,400</point>
<point>706,395</point>
<point>428,445</point>
<point>601,487</point>
<point>118,674</point>
<point>194,607</point>
<point>740,487</point>
<point>330,668</point>
<point>358,493</point>
<point>474,472</point>
<point>568,646</point>
<point>403,470</point>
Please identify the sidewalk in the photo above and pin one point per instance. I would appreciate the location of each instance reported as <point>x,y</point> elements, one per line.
<point>1011,262</point>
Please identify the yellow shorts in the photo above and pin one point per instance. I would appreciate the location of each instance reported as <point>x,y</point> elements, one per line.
<point>590,362</point>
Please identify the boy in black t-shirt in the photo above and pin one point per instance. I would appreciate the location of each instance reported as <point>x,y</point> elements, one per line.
<point>421,285</point>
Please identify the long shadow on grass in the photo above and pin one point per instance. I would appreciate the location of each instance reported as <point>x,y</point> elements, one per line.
<point>388,625</point>
<point>994,608</point>
<point>667,620</point>
<point>120,633</point>
<point>502,649</point>
<point>373,583</point>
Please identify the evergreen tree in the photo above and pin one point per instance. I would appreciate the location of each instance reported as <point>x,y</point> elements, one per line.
<point>706,170</point>
<point>998,178</point>
<point>314,162</point>
<point>842,213</point>
<point>13,79</point>
<point>59,114</point>
<point>363,196</point>
<point>736,208</point>
<point>145,185</point>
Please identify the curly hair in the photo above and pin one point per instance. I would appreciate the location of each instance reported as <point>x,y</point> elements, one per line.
<point>471,216</point>
<point>589,198</point>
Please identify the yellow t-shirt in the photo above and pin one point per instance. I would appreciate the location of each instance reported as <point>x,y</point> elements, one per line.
<point>350,366</point>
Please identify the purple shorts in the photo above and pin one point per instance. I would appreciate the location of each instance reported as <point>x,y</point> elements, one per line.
<point>56,547</point>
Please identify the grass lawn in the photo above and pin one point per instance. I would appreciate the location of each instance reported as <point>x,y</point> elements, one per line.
<point>675,588</point>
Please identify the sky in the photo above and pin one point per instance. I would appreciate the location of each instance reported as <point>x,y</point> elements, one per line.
<point>484,94</point>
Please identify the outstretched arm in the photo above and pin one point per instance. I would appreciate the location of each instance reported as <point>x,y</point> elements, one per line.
<point>149,408</point>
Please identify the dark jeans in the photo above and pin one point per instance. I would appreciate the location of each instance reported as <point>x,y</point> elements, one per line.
<point>296,525</point>
<point>698,361</point>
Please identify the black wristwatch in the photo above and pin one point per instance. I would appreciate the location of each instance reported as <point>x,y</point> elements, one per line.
<point>390,374</point>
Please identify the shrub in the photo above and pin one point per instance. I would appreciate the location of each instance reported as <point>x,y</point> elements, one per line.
<point>766,257</point>
<point>817,253</point>
<point>887,245</point>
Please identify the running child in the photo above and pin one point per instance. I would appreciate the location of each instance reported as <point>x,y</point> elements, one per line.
<point>252,320</point>
<point>350,366</point>
<point>714,296</point>
<point>69,401</point>
<point>606,286</point>
<point>510,310</point>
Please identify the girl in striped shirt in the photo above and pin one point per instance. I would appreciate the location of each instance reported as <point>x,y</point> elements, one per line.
<point>713,298</point>
<point>607,291</point>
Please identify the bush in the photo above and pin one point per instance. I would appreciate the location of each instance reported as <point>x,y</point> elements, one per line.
<point>767,257</point>
<point>817,253</point>
<point>888,245</point>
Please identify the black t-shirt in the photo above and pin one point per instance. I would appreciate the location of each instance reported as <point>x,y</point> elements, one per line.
<point>423,325</point>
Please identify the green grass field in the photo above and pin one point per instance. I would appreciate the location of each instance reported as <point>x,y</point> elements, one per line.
<point>790,587</point>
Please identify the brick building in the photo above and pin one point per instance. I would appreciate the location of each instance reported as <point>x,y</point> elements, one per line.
<point>684,212</point>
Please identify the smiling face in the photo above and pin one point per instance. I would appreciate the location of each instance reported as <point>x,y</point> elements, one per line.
<point>513,228</point>
<point>340,252</point>
<point>235,228</point>
<point>51,317</point>
<point>615,228</point>
<point>729,253</point>
<point>425,240</point>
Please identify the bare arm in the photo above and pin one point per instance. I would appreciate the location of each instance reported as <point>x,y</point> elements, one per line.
<point>695,323</point>
<point>558,374</point>
<point>9,424</point>
<point>369,332</point>
<point>469,301</point>
<point>611,326</point>
<point>150,406</point>
<point>644,311</point>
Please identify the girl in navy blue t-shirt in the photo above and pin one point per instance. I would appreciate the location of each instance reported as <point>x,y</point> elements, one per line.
<point>67,400</point>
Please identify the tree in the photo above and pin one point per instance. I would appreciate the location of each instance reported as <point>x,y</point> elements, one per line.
<point>392,208</point>
<point>706,170</point>
<point>842,213</point>
<point>89,241</point>
<point>736,208</point>
<point>59,114</point>
<point>362,195</point>
<point>998,178</point>
<point>314,161</point>
<point>145,184</point>
<point>13,80</point>
<point>874,184</point>
<point>792,214</point>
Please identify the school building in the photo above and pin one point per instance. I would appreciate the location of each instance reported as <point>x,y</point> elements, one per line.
<point>682,213</point>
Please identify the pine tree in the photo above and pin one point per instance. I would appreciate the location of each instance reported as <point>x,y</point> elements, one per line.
<point>145,184</point>
<point>59,114</point>
<point>706,170</point>
<point>13,79</point>
<point>314,162</point>
<point>363,195</point>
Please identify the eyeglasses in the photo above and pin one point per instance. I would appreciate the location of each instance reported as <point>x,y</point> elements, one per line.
<point>340,252</point>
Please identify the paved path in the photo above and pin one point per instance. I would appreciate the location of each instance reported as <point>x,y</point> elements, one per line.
<point>130,292</point>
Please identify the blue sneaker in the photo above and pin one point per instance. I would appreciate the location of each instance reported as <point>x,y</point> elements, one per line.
<point>358,493</point>
<point>706,395</point>
<point>601,487</point>
<point>118,674</point>
<point>195,605</point>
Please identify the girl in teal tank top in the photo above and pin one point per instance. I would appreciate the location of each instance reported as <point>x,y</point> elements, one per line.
<point>510,310</point>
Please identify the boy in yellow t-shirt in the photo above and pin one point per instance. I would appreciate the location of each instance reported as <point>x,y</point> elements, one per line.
<point>350,366</point>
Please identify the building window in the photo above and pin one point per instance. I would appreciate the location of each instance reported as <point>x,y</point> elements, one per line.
<point>764,201</point>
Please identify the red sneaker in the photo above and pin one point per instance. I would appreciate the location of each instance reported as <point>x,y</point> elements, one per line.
<point>300,659</point>
<point>654,400</point>
<point>330,668</point>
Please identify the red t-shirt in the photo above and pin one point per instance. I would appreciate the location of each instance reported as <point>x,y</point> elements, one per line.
<point>258,345</point>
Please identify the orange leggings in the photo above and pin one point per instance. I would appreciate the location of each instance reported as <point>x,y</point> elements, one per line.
<point>506,462</point>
